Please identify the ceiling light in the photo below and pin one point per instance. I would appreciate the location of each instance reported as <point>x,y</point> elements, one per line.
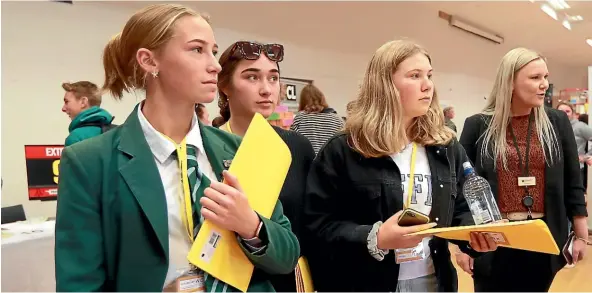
<point>549,11</point>
<point>589,41</point>
<point>575,18</point>
<point>558,4</point>
<point>566,24</point>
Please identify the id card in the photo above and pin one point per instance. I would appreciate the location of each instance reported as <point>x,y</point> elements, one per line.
<point>403,255</point>
<point>526,181</point>
<point>190,281</point>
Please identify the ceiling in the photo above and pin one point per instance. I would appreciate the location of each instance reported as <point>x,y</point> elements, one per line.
<point>525,24</point>
<point>360,27</point>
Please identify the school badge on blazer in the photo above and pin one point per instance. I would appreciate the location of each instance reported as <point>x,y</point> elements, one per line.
<point>226,164</point>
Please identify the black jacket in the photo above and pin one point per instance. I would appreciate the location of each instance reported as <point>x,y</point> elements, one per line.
<point>564,191</point>
<point>292,194</point>
<point>347,193</point>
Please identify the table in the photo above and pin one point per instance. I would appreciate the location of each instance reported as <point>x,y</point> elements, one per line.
<point>28,256</point>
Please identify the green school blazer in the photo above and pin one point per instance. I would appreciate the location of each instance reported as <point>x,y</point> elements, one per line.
<point>112,225</point>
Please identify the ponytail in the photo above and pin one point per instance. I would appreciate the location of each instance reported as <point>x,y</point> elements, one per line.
<point>115,77</point>
<point>224,107</point>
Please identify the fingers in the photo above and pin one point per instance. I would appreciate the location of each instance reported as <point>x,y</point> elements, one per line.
<point>231,180</point>
<point>482,241</point>
<point>466,266</point>
<point>474,242</point>
<point>210,216</point>
<point>576,256</point>
<point>212,206</point>
<point>216,196</point>
<point>491,245</point>
<point>417,228</point>
<point>224,188</point>
<point>411,241</point>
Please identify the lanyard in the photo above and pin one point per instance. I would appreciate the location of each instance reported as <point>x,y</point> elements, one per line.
<point>228,127</point>
<point>523,169</point>
<point>412,177</point>
<point>184,205</point>
<point>527,200</point>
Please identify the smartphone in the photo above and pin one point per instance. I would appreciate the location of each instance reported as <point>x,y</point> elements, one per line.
<point>412,217</point>
<point>568,248</point>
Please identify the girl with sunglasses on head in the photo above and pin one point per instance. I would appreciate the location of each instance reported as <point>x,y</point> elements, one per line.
<point>132,200</point>
<point>396,153</point>
<point>528,153</point>
<point>248,84</point>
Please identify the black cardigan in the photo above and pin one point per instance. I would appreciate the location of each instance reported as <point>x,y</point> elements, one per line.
<point>564,191</point>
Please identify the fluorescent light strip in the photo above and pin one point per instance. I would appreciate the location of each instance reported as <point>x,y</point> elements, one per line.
<point>566,24</point>
<point>558,4</point>
<point>549,11</point>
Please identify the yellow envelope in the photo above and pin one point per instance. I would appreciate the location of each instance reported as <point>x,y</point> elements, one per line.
<point>533,235</point>
<point>261,165</point>
<point>303,276</point>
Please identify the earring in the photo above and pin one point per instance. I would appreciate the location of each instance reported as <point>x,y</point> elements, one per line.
<point>155,73</point>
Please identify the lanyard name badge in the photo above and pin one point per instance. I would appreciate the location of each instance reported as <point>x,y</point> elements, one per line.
<point>190,278</point>
<point>525,180</point>
<point>404,255</point>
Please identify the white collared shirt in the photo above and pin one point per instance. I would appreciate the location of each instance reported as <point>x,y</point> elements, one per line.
<point>170,174</point>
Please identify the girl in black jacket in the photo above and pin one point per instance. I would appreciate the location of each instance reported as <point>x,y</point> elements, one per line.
<point>395,153</point>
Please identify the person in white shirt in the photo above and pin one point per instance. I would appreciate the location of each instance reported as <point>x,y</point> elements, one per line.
<point>395,154</point>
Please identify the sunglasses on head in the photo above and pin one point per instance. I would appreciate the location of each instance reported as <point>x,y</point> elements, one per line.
<point>252,51</point>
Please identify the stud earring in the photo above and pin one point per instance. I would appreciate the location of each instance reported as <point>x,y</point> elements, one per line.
<point>155,73</point>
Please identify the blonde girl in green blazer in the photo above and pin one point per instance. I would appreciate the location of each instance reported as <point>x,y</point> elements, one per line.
<point>127,208</point>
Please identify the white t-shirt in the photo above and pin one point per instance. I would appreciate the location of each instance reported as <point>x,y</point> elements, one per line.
<point>421,201</point>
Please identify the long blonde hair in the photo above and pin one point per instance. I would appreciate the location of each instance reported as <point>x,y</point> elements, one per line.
<point>375,122</point>
<point>499,106</point>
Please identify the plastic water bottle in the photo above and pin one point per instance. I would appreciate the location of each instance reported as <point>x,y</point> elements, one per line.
<point>477,192</point>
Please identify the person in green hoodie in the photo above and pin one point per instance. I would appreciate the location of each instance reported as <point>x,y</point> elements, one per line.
<point>82,103</point>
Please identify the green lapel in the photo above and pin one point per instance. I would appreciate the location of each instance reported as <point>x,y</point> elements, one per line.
<point>141,175</point>
<point>218,152</point>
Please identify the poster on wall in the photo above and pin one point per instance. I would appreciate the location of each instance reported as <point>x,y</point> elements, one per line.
<point>43,162</point>
<point>293,88</point>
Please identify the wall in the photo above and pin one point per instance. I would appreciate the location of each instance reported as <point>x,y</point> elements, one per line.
<point>45,44</point>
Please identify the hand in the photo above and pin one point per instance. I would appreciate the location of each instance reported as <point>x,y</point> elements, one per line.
<point>465,262</point>
<point>482,242</point>
<point>226,206</point>
<point>589,161</point>
<point>392,236</point>
<point>579,250</point>
<point>581,158</point>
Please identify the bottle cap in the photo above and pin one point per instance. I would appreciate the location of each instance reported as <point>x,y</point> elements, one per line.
<point>467,165</point>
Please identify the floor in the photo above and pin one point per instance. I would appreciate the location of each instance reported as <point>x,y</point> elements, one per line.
<point>576,279</point>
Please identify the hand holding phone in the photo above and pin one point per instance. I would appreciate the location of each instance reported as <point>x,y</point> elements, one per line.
<point>412,217</point>
<point>391,235</point>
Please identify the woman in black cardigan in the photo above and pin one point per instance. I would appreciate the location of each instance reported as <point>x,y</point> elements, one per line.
<point>518,138</point>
